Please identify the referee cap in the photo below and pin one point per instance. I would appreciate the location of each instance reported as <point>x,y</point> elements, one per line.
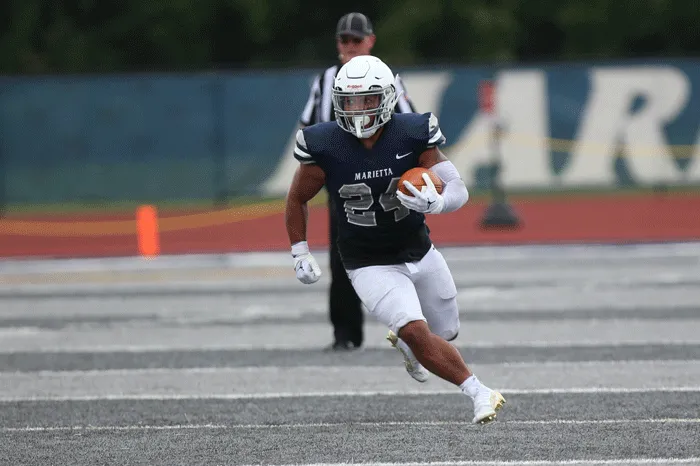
<point>354,24</point>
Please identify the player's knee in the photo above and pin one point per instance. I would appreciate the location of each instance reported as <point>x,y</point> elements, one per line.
<point>450,332</point>
<point>414,333</point>
<point>450,335</point>
<point>447,330</point>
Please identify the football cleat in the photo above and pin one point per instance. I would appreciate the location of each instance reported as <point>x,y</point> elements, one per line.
<point>486,403</point>
<point>413,367</point>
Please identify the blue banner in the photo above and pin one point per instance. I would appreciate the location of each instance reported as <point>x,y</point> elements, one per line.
<point>200,136</point>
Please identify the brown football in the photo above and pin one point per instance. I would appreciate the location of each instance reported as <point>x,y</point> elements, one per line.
<point>415,177</point>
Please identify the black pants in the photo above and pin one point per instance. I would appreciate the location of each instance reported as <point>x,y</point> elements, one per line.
<point>345,306</point>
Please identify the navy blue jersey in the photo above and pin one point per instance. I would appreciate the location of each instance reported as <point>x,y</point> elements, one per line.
<point>374,228</point>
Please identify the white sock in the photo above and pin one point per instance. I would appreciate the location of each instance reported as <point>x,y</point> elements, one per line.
<point>404,347</point>
<point>471,386</point>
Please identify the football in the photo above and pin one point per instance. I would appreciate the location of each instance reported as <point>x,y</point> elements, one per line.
<point>415,177</point>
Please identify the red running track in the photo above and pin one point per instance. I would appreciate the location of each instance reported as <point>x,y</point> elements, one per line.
<point>598,219</point>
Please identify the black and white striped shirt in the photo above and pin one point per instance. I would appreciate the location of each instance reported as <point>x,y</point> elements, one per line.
<point>319,107</point>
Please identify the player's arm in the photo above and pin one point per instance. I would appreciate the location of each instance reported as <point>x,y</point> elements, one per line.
<point>308,180</point>
<point>454,192</point>
<point>431,157</point>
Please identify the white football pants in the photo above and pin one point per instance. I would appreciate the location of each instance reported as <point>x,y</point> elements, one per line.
<point>402,293</point>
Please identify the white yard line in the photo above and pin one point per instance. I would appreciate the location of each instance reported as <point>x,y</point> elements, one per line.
<point>581,462</point>
<point>322,425</point>
<point>304,381</point>
<point>488,334</point>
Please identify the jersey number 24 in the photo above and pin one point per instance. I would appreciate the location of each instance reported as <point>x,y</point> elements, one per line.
<point>360,200</point>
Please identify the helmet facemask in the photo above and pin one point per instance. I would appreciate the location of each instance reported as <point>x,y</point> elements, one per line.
<point>363,113</point>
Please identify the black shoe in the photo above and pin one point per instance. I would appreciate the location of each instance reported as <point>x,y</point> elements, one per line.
<point>341,346</point>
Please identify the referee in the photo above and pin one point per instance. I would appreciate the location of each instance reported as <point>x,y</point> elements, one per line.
<point>354,37</point>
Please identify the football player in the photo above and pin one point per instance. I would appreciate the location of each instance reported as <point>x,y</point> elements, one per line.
<point>384,242</point>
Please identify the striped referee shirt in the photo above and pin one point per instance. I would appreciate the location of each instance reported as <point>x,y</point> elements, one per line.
<point>319,107</point>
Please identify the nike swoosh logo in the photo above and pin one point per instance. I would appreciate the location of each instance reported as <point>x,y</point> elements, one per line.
<point>402,156</point>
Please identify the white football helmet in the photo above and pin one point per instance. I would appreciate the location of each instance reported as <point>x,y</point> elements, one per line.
<point>364,95</point>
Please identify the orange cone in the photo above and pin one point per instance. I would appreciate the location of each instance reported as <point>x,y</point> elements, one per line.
<point>147,231</point>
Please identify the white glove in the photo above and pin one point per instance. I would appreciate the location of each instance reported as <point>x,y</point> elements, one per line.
<point>426,201</point>
<point>305,265</point>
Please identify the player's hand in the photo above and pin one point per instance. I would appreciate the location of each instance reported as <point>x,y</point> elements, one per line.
<point>305,265</point>
<point>427,200</point>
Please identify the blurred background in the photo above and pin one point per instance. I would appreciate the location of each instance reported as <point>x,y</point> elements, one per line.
<point>191,106</point>
<point>131,129</point>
